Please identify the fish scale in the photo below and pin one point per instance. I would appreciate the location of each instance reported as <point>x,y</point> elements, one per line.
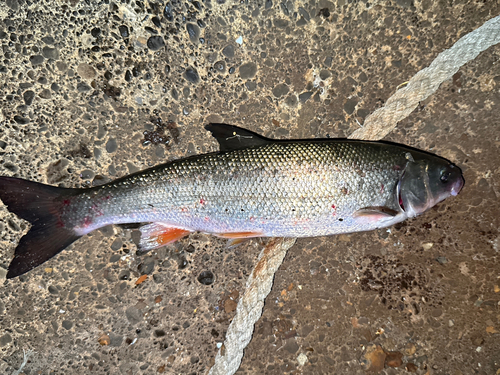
<point>269,189</point>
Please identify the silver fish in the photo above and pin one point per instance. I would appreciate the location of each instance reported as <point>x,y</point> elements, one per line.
<point>253,187</point>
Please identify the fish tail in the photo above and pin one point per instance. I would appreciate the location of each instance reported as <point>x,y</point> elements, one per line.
<point>40,205</point>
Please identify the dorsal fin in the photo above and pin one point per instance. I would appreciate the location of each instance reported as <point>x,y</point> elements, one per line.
<point>231,137</point>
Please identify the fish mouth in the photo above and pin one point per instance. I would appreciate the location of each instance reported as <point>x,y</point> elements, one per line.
<point>457,186</point>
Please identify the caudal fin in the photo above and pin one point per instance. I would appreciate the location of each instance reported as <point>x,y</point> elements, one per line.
<point>39,204</point>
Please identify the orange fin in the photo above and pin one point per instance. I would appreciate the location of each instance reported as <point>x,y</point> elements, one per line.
<point>155,235</point>
<point>240,235</point>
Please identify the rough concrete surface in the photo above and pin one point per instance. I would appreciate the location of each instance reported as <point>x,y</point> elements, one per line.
<point>91,91</point>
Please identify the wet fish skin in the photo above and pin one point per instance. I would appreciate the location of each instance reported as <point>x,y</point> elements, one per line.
<point>254,187</point>
<point>282,189</point>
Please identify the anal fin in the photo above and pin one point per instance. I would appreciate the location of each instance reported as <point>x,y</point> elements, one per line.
<point>155,235</point>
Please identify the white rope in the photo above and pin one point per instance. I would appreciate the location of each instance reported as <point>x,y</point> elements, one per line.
<point>427,81</point>
<point>250,306</point>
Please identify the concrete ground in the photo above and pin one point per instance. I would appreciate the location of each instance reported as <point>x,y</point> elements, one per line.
<point>91,91</point>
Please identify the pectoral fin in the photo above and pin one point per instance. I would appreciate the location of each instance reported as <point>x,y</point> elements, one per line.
<point>373,214</point>
<point>155,235</point>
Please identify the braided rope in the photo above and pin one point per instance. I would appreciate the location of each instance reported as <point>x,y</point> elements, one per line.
<point>427,81</point>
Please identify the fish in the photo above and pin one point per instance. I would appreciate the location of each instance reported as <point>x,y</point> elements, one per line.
<point>252,187</point>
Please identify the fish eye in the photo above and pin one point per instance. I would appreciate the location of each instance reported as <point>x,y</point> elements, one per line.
<point>444,176</point>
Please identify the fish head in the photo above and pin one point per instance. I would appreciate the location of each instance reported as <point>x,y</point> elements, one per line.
<point>426,182</point>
